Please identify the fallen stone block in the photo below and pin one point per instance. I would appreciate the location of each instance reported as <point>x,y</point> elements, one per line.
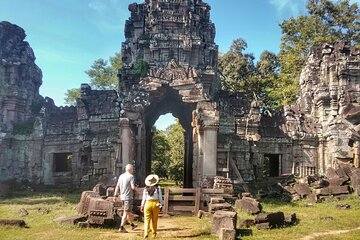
<point>322,191</point>
<point>227,234</point>
<point>70,220</point>
<point>249,205</point>
<point>83,224</point>
<point>23,212</point>
<point>13,223</point>
<point>322,183</point>
<point>302,189</point>
<point>219,206</point>
<point>312,198</point>
<point>262,226</point>
<point>215,200</point>
<point>336,181</point>
<point>223,219</point>
<point>343,206</point>
<point>290,220</point>
<point>246,223</point>
<point>275,219</point>
<point>331,173</point>
<point>355,181</point>
<point>336,190</point>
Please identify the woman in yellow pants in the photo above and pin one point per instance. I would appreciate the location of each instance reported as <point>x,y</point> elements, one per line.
<point>151,204</point>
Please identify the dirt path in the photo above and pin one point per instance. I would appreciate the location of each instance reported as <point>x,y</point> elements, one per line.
<point>334,232</point>
<point>168,228</point>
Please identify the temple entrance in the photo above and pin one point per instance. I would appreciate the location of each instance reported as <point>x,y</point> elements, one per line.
<point>171,103</point>
<point>168,150</point>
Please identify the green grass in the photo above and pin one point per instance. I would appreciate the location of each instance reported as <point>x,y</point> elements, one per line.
<point>42,227</point>
<point>311,220</point>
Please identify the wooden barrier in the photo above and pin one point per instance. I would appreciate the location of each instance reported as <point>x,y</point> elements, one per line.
<point>177,200</point>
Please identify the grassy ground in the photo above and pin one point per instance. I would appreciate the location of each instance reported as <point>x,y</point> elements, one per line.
<point>42,227</point>
<point>313,221</point>
<point>317,218</point>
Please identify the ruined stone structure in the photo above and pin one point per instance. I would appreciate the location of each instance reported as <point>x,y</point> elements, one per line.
<point>225,134</point>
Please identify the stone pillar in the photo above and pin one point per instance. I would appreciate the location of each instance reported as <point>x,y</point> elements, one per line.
<point>356,155</point>
<point>321,163</point>
<point>126,142</point>
<point>210,150</point>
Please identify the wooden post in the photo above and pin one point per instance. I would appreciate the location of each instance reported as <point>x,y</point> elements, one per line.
<point>197,200</point>
<point>166,201</point>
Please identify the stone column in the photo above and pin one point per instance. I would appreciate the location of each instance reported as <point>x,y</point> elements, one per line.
<point>356,155</point>
<point>210,150</point>
<point>126,142</point>
<point>321,163</point>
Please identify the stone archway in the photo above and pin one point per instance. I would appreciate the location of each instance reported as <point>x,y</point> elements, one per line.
<point>174,90</point>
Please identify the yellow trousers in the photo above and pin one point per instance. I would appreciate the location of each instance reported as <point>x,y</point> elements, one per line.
<point>151,213</point>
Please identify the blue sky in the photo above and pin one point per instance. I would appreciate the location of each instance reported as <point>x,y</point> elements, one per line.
<point>68,35</point>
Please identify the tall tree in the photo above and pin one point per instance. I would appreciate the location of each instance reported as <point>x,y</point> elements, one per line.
<point>175,136</point>
<point>71,95</point>
<point>326,22</point>
<point>236,67</point>
<point>160,159</point>
<point>102,74</point>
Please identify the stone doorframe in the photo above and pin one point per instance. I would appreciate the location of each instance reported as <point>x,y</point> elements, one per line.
<point>187,100</point>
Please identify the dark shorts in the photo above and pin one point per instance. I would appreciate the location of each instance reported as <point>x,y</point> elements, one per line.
<point>128,205</point>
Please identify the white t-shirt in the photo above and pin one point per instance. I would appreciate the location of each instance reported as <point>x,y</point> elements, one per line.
<point>125,184</point>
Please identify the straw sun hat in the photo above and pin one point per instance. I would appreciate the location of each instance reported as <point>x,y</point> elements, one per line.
<point>151,180</point>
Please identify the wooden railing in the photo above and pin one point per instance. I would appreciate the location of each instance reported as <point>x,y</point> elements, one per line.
<point>183,199</point>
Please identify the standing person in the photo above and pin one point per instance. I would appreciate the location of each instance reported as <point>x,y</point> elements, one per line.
<point>126,185</point>
<point>151,204</point>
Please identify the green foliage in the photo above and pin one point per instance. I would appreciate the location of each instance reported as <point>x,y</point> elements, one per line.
<point>240,74</point>
<point>140,68</point>
<point>24,127</point>
<point>160,160</point>
<point>102,76</point>
<point>175,135</point>
<point>326,22</point>
<point>71,95</point>
<point>167,154</point>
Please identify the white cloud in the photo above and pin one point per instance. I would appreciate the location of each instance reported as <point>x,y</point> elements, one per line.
<point>284,6</point>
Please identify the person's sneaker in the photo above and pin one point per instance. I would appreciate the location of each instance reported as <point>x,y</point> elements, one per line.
<point>133,226</point>
<point>122,230</point>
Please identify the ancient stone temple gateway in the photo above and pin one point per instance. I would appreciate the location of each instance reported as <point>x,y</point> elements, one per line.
<point>225,134</point>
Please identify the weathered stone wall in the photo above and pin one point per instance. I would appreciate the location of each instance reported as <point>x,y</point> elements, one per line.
<point>20,77</point>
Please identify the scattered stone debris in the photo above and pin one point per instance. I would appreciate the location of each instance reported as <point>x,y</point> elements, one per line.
<point>246,223</point>
<point>343,206</point>
<point>14,223</point>
<point>203,214</point>
<point>270,220</point>
<point>70,220</point>
<point>22,212</point>
<point>249,205</point>
<point>43,210</point>
<point>227,234</point>
<point>223,219</point>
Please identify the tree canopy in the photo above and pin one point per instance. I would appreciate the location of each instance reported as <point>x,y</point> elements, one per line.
<point>167,155</point>
<point>325,22</point>
<point>274,79</point>
<point>103,76</point>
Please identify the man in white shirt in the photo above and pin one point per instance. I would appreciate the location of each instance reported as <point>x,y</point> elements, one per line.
<point>126,185</point>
